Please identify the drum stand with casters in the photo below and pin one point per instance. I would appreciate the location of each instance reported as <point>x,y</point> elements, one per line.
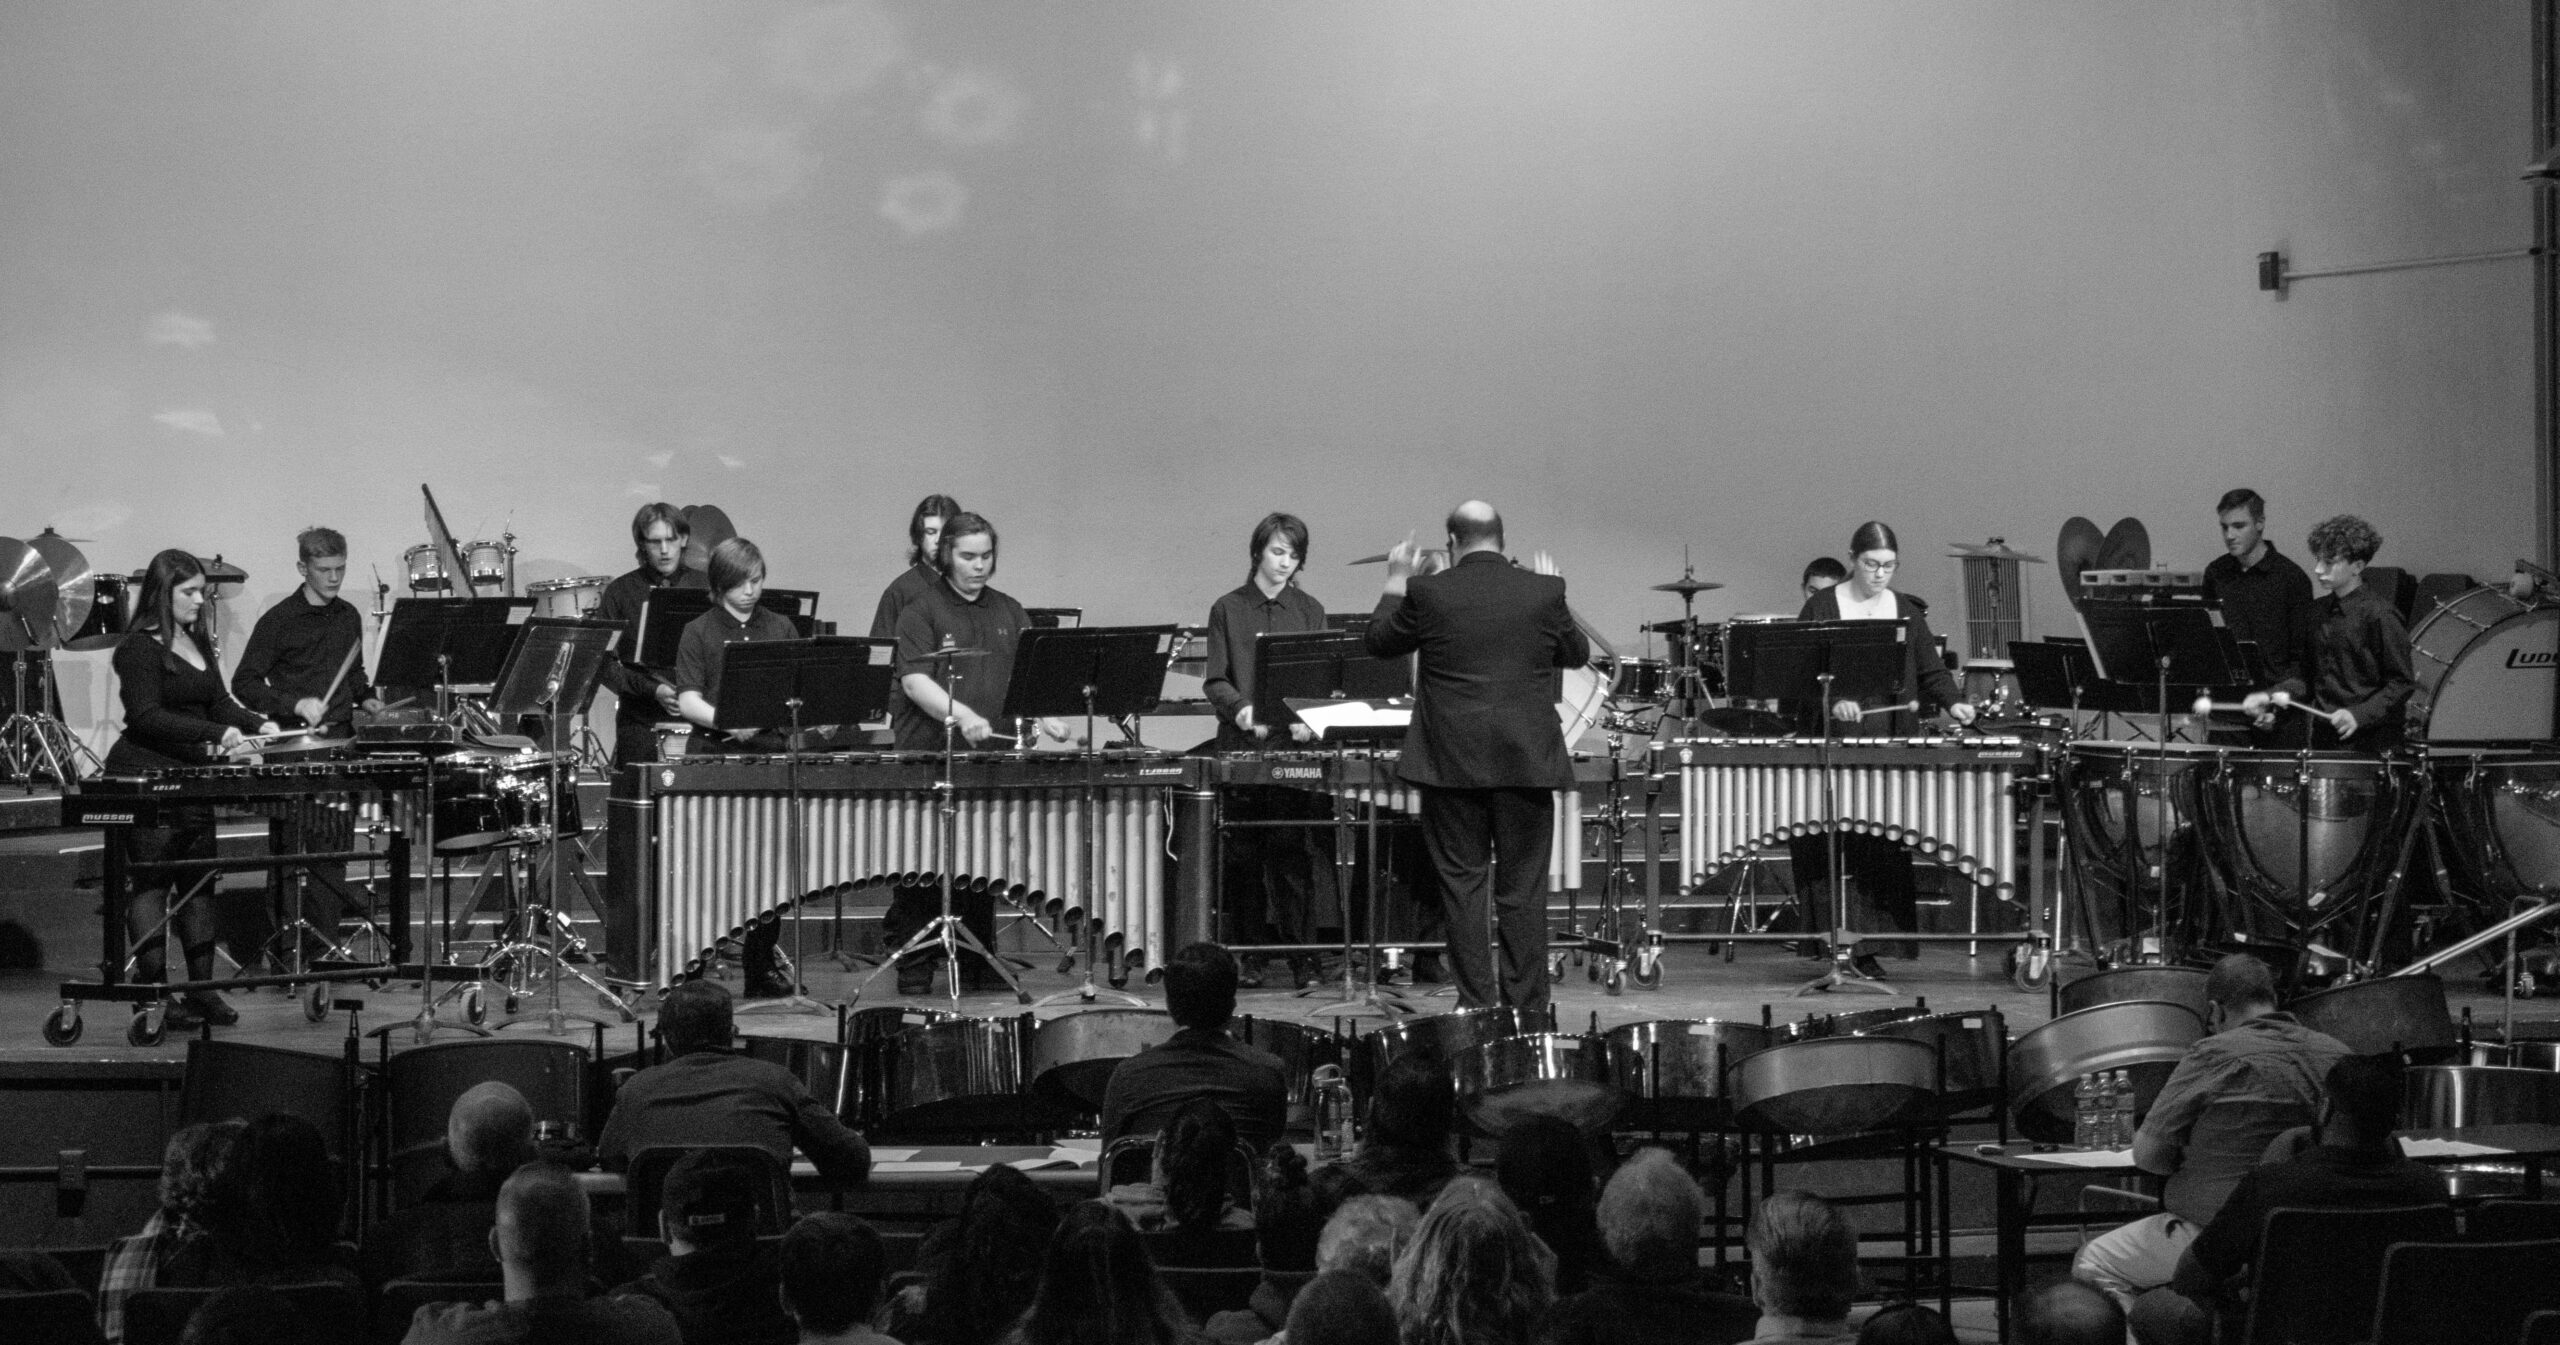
<point>33,744</point>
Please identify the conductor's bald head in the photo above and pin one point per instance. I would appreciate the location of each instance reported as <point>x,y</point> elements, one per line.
<point>1474,526</point>
<point>542,1223</point>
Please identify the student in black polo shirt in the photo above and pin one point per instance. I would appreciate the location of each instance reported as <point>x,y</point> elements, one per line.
<point>737,577</point>
<point>643,696</point>
<point>297,647</point>
<point>2265,597</point>
<point>2357,677</point>
<point>964,611</point>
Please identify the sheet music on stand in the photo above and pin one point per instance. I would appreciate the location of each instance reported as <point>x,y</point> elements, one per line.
<point>2141,645</point>
<point>1354,721</point>
<point>1297,668</point>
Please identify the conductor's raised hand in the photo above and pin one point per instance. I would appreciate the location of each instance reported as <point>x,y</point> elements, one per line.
<point>1403,559</point>
<point>1543,563</point>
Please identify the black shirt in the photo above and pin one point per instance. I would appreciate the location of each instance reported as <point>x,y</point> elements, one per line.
<point>912,583</point>
<point>635,688</point>
<point>722,1097</point>
<point>1236,620</point>
<point>698,655</point>
<point>2325,1177</point>
<point>2268,603</point>
<point>173,710</point>
<point>1247,1082</point>
<point>294,651</point>
<point>940,618</point>
<point>2360,662</point>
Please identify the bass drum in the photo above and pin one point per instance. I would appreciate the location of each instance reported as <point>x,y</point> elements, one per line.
<point>2485,667</point>
<point>1582,702</point>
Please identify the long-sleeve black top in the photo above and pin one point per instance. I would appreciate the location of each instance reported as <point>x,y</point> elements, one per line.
<point>1926,671</point>
<point>1236,620</point>
<point>2359,662</point>
<point>173,710</point>
<point>2268,603</point>
<point>635,689</point>
<point>294,651</point>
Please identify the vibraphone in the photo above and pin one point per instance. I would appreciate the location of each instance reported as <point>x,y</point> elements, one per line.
<point>1951,800</point>
<point>709,839</point>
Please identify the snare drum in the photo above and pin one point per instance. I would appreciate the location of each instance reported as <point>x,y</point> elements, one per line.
<point>426,573</point>
<point>960,1073</point>
<point>485,804</point>
<point>1643,681</point>
<point>568,599</point>
<point>492,567</point>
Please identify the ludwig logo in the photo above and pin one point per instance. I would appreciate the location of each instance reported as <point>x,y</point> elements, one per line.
<point>2532,658</point>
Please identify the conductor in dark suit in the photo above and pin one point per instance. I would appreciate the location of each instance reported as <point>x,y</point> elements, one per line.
<point>1485,748</point>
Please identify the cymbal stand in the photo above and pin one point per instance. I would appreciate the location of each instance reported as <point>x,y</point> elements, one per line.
<point>1361,992</point>
<point>1087,992</point>
<point>33,743</point>
<point>798,1000</point>
<point>1844,973</point>
<point>945,930</point>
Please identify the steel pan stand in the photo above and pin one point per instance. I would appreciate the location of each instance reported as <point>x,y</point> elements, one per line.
<point>1844,973</point>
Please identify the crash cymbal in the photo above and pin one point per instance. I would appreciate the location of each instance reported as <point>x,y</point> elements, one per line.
<point>220,571</point>
<point>706,526</point>
<point>27,596</point>
<point>1685,585</point>
<point>1997,548</point>
<point>2075,550</point>
<point>958,651</point>
<point>2128,547</point>
<point>76,589</point>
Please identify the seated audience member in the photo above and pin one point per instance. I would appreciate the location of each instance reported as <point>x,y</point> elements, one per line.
<point>1189,1191</point>
<point>1201,1061</point>
<point>542,1236</point>
<point>976,1273</point>
<point>1804,1270</point>
<point>832,1265</point>
<point>1368,1234</point>
<point>709,1094</point>
<point>1544,1165</point>
<point>32,1272</point>
<point>2233,1093</point>
<point>248,1314</point>
<point>1294,1238</point>
<point>718,1282</point>
<point>2354,1166</point>
<point>1474,1274</point>
<point>1406,1150</point>
<point>192,1168</point>
<point>1906,1324</point>
<point>1648,1289</point>
<point>487,1136</point>
<point>2066,1312</point>
<point>1341,1307</point>
<point>1098,1285</point>
<point>274,1216</point>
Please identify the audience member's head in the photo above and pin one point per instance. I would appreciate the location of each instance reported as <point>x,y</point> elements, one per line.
<point>695,1015</point>
<point>986,1263</point>
<point>1287,1217</point>
<point>2241,987</point>
<point>246,1314</point>
<point>194,1165</point>
<point>1474,1272</point>
<point>1098,1286</point>
<point>1804,1258</point>
<point>1200,986</point>
<point>1192,1157</point>
<point>1649,1216</point>
<point>1545,1167</point>
<point>1367,1234</point>
<point>709,1200</point>
<point>2066,1312</point>
<point>832,1266</point>
<point>285,1212</point>
<point>1416,1107</point>
<point>490,1129</point>
<point>1341,1307</point>
<point>541,1234</point>
<point>1906,1323</point>
<point>2361,1101</point>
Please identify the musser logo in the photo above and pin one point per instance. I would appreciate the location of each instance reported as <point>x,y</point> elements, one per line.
<point>2532,658</point>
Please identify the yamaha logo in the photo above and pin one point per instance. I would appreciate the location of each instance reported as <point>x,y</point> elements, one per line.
<point>2532,658</point>
<point>1297,772</point>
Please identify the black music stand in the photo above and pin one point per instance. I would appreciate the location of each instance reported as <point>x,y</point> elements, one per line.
<point>1820,662</point>
<point>1098,672</point>
<point>829,680</point>
<point>1319,666</point>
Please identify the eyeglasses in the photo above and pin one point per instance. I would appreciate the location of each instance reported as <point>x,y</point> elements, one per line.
<point>1878,566</point>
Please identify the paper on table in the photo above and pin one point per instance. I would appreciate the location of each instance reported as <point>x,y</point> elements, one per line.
<point>1089,1145</point>
<point>1061,1161</point>
<point>893,1155</point>
<point>913,1165</point>
<point>2083,1158</point>
<point>2431,1148</point>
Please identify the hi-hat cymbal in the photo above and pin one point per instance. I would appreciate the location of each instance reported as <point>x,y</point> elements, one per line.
<point>1997,548</point>
<point>1684,586</point>
<point>220,571</point>
<point>958,651</point>
<point>27,596</point>
<point>75,588</point>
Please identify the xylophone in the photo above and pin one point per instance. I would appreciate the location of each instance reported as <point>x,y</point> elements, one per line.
<point>1951,799</point>
<point>711,837</point>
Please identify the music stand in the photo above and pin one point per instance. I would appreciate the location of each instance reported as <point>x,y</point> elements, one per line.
<point>831,680</point>
<point>2184,645</point>
<point>1821,662</point>
<point>1320,666</point>
<point>1095,671</point>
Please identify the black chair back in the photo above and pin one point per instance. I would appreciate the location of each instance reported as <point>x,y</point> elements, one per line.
<point>2317,1271</point>
<point>2513,1221</point>
<point>67,1316</point>
<point>159,1316</point>
<point>2463,1293</point>
<point>421,1084</point>
<point>2543,1328</point>
<point>648,1175</point>
<point>231,1079</point>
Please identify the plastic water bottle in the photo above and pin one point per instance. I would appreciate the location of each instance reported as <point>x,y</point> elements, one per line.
<point>2119,1109</point>
<point>1336,1136</point>
<point>2086,1103</point>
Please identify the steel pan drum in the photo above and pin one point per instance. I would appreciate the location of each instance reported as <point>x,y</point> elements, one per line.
<point>1573,1078</point>
<point>1852,1023</point>
<point>1674,1069</point>
<point>2543,1055</point>
<point>2144,1037</point>
<point>2347,799</point>
<point>1833,1086</point>
<point>1301,1048</point>
<point>960,1073</point>
<point>1970,1044</point>
<point>2453,1097</point>
<point>1072,1057</point>
<point>2390,1013</point>
<point>1441,1037</point>
<point>2178,985</point>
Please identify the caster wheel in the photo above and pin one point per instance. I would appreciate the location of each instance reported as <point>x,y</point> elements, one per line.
<point>147,1028</point>
<point>62,1026</point>
<point>1617,983</point>
<point>315,1003</point>
<point>473,1009</point>
<point>1728,951</point>
<point>2029,967</point>
<point>1648,971</point>
<point>1591,972</point>
<point>513,1005</point>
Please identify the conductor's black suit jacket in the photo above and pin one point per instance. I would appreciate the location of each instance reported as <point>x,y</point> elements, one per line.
<point>1491,637</point>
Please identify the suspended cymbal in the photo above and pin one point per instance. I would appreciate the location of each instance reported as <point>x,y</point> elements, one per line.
<point>220,571</point>
<point>706,526</point>
<point>1997,548</point>
<point>2127,547</point>
<point>2075,550</point>
<point>27,596</point>
<point>1684,586</point>
<point>958,651</point>
<point>76,589</point>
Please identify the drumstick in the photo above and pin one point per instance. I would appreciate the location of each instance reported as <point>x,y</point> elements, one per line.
<point>340,680</point>
<point>1890,709</point>
<point>2206,705</point>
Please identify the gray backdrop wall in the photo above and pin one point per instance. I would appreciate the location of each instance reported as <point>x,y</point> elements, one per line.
<point>1122,275</point>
